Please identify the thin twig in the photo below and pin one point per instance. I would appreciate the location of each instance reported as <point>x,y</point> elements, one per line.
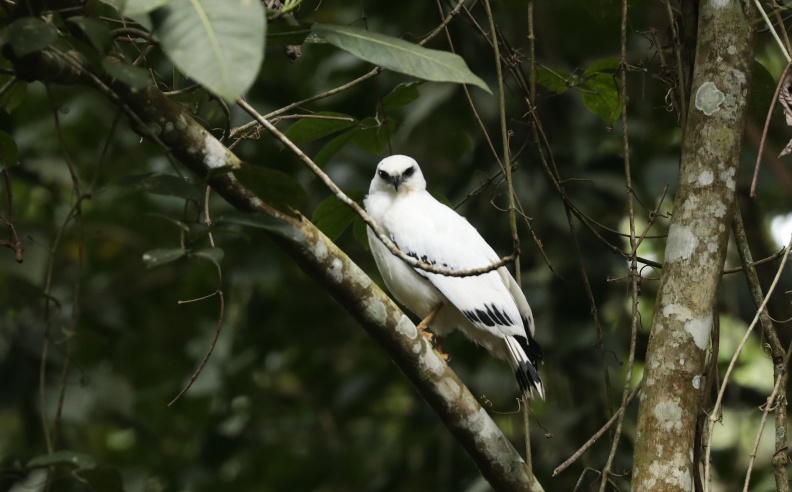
<point>563,466</point>
<point>769,405</point>
<point>780,84</point>
<point>714,414</point>
<point>392,247</point>
<point>773,31</point>
<point>219,293</point>
<point>634,275</point>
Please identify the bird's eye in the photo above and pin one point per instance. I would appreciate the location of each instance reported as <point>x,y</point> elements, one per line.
<point>409,172</point>
<point>383,174</point>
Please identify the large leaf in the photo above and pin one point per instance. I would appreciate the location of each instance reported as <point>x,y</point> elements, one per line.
<point>275,187</point>
<point>319,125</point>
<point>401,95</point>
<point>601,96</point>
<point>259,221</point>
<point>400,55</point>
<point>30,34</point>
<point>217,43</point>
<point>333,216</point>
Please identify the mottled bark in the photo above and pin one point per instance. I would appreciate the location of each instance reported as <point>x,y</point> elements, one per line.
<point>155,116</point>
<point>695,249</point>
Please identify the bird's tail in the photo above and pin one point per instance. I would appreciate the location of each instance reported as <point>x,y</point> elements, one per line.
<point>524,356</point>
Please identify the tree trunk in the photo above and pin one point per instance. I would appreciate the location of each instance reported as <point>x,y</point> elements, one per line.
<point>695,250</point>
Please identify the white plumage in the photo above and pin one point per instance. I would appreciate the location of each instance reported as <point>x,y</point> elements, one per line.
<point>489,309</point>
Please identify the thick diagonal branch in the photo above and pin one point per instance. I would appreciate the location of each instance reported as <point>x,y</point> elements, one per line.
<point>155,116</point>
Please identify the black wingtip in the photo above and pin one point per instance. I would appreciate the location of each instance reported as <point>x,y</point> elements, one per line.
<point>526,373</point>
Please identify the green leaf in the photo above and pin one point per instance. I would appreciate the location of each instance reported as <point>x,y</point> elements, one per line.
<point>8,150</point>
<point>13,97</point>
<point>97,33</point>
<point>80,460</point>
<point>601,96</point>
<point>160,256</point>
<point>309,129</point>
<point>360,232</point>
<point>400,55</point>
<point>30,34</point>
<point>607,65</point>
<point>333,216</point>
<point>215,255</point>
<point>162,184</point>
<point>373,136</point>
<point>259,221</point>
<point>554,79</point>
<point>134,77</point>
<point>276,188</point>
<point>217,43</point>
<point>333,146</point>
<point>400,96</point>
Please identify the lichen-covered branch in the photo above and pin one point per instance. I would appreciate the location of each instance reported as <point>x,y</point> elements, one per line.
<point>155,116</point>
<point>695,249</point>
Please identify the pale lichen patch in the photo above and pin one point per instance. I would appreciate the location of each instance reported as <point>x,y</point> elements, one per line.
<point>682,241</point>
<point>406,327</point>
<point>669,415</point>
<point>375,310</point>
<point>706,178</point>
<point>214,153</point>
<point>320,250</point>
<point>709,98</point>
<point>336,271</point>
<point>699,329</point>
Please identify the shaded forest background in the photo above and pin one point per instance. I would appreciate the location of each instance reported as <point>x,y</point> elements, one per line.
<point>95,341</point>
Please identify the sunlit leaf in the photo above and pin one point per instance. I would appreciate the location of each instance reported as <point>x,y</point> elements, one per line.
<point>162,184</point>
<point>333,216</point>
<point>78,460</point>
<point>161,256</point>
<point>217,43</point>
<point>30,34</point>
<point>318,125</point>
<point>607,65</point>
<point>554,79</point>
<point>400,55</point>
<point>601,96</point>
<point>8,150</point>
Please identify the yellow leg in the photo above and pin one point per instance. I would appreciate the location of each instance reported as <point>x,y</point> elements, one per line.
<point>424,324</point>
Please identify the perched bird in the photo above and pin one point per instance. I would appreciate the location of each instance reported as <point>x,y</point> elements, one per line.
<point>490,309</point>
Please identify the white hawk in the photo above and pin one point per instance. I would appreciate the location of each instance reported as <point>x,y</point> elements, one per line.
<point>489,309</point>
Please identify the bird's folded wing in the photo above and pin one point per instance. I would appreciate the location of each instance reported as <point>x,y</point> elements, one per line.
<point>446,240</point>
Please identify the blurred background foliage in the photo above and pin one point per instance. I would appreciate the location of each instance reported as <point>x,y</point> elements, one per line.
<point>295,395</point>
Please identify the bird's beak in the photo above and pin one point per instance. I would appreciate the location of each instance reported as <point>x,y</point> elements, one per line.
<point>396,181</point>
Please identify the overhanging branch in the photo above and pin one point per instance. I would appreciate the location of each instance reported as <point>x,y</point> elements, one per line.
<point>155,116</point>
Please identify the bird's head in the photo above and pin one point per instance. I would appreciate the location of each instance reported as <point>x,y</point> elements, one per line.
<point>398,174</point>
